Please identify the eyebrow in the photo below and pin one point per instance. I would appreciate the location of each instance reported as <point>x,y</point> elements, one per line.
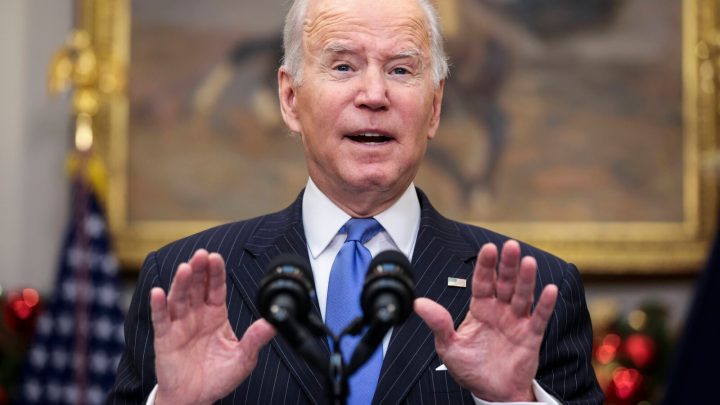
<point>407,53</point>
<point>339,48</point>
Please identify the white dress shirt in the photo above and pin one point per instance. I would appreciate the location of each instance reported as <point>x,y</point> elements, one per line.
<point>322,221</point>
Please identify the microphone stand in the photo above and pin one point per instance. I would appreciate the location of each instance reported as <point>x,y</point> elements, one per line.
<point>299,337</point>
<point>338,370</point>
<point>336,373</point>
<point>386,315</point>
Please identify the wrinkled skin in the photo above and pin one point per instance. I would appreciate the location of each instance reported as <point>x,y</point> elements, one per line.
<point>365,107</point>
<point>366,70</point>
<point>495,351</point>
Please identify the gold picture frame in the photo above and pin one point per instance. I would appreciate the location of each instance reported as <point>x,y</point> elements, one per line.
<point>597,247</point>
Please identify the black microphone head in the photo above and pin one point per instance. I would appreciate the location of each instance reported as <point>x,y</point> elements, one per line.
<point>389,276</point>
<point>289,263</point>
<point>288,281</point>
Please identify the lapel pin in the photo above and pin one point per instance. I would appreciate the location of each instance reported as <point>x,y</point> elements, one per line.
<point>457,282</point>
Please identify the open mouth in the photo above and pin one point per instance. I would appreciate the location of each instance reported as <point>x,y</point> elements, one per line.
<point>371,138</point>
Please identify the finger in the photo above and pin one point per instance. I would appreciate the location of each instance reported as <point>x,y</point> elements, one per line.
<point>216,284</point>
<point>159,312</point>
<point>483,284</point>
<point>544,309</point>
<point>507,270</point>
<point>198,264</point>
<point>255,338</point>
<point>438,319</point>
<point>523,296</point>
<point>178,299</point>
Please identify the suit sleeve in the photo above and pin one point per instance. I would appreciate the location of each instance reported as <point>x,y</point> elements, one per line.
<point>136,371</point>
<point>565,369</point>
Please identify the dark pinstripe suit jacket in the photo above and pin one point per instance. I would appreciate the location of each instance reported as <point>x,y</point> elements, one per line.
<point>443,249</point>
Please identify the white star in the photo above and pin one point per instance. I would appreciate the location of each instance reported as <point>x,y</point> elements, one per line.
<point>69,290</point>
<point>95,395</point>
<point>33,390</point>
<point>65,325</point>
<point>71,394</point>
<point>94,226</point>
<point>107,295</point>
<point>38,356</point>
<point>59,358</point>
<point>54,391</point>
<point>103,328</point>
<point>109,265</point>
<point>99,362</point>
<point>45,324</point>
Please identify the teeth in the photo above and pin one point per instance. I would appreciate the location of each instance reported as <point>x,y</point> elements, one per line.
<point>370,138</point>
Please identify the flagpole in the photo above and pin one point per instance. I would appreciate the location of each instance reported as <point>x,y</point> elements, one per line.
<point>75,66</point>
<point>83,145</point>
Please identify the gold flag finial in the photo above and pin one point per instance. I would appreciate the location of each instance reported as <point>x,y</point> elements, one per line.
<point>75,65</point>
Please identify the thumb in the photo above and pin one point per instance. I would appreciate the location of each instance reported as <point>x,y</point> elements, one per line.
<point>438,319</point>
<point>255,338</point>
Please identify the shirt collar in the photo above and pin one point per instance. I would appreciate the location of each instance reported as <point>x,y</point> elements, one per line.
<point>322,219</point>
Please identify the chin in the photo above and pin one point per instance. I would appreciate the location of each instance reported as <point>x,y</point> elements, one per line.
<point>377,182</point>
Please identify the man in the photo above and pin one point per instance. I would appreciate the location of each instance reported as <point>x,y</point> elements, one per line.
<point>362,85</point>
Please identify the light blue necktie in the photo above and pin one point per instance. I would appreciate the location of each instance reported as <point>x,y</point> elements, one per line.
<point>343,303</point>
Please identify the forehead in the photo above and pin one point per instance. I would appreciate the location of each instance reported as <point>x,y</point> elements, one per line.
<point>385,22</point>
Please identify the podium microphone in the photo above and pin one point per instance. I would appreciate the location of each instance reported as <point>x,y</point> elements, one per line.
<point>285,300</point>
<point>386,300</point>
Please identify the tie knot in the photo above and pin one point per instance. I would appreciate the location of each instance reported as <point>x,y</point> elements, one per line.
<point>361,229</point>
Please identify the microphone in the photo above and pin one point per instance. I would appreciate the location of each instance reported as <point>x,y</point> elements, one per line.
<point>386,300</point>
<point>285,300</point>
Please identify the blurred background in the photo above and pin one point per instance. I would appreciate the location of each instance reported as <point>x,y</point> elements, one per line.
<point>568,112</point>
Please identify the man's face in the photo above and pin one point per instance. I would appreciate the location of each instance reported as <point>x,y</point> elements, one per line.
<point>366,104</point>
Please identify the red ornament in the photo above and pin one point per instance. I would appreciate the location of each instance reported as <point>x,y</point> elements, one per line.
<point>607,350</point>
<point>625,383</point>
<point>21,311</point>
<point>640,349</point>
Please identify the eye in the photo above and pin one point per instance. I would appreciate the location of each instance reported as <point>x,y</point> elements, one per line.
<point>400,71</point>
<point>344,67</point>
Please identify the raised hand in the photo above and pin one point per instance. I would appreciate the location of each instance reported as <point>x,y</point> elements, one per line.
<point>198,358</point>
<point>495,351</point>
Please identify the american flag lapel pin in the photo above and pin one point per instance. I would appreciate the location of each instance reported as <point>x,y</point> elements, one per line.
<point>457,282</point>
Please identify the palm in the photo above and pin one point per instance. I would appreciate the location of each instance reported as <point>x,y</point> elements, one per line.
<point>198,357</point>
<point>495,350</point>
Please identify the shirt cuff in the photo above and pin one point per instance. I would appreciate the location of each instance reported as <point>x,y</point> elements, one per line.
<point>541,396</point>
<point>153,393</point>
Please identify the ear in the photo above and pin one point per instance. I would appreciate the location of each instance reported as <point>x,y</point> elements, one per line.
<point>286,92</point>
<point>436,109</point>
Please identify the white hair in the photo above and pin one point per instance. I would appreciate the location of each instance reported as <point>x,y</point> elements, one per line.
<point>293,36</point>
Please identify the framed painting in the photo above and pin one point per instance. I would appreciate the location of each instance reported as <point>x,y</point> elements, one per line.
<point>579,126</point>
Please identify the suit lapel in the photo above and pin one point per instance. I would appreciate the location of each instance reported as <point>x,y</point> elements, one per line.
<point>275,234</point>
<point>440,252</point>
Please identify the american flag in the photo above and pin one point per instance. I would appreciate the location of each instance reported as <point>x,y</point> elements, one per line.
<point>79,336</point>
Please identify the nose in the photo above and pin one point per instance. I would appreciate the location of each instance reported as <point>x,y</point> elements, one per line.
<point>373,93</point>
